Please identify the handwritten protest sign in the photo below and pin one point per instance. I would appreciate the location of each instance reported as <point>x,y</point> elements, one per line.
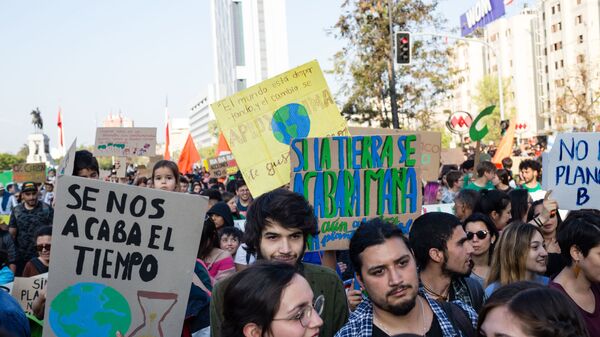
<point>67,163</point>
<point>26,289</point>
<point>126,259</point>
<point>125,142</point>
<point>445,208</point>
<point>29,172</point>
<point>572,170</point>
<point>431,148</point>
<point>260,122</point>
<point>351,179</point>
<point>222,166</point>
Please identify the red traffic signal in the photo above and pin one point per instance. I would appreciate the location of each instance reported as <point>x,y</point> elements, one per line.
<point>403,48</point>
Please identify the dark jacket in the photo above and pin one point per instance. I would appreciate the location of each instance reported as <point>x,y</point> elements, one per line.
<point>223,210</point>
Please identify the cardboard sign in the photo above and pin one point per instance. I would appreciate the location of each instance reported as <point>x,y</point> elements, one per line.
<point>260,122</point>
<point>125,142</point>
<point>222,166</point>
<point>445,208</point>
<point>26,289</point>
<point>126,258</point>
<point>572,170</point>
<point>353,179</point>
<point>66,165</point>
<point>121,167</point>
<point>454,156</point>
<point>29,172</point>
<point>431,148</point>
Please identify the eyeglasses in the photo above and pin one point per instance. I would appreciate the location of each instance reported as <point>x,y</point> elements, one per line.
<point>480,235</point>
<point>305,314</point>
<point>42,247</point>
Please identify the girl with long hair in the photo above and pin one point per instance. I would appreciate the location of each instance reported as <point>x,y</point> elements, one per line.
<point>519,256</point>
<point>482,234</point>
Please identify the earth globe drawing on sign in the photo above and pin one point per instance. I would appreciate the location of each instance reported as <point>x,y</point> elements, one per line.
<point>89,310</point>
<point>289,122</point>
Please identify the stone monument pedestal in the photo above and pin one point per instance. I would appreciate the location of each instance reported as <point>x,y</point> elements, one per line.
<point>39,149</point>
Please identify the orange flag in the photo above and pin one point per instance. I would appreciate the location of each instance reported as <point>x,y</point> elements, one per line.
<point>222,145</point>
<point>167,154</point>
<point>506,145</point>
<point>189,156</point>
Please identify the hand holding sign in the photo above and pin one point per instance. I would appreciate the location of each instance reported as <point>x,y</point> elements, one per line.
<point>550,207</point>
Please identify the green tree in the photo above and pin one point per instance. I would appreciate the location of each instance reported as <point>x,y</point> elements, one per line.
<point>7,160</point>
<point>363,66</point>
<point>486,95</point>
<point>23,152</point>
<point>579,96</point>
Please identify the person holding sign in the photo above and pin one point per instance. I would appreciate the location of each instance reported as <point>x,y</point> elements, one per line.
<point>271,299</point>
<point>86,165</point>
<point>43,241</point>
<point>277,226</point>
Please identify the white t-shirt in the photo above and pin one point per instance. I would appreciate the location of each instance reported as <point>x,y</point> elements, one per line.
<point>241,257</point>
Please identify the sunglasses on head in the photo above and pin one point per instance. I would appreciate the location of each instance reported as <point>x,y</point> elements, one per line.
<point>480,235</point>
<point>42,247</point>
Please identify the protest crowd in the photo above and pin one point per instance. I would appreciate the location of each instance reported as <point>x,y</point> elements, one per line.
<point>349,232</point>
<point>506,263</point>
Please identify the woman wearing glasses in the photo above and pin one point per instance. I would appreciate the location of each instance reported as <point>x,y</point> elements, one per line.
<point>39,265</point>
<point>482,233</point>
<point>271,299</point>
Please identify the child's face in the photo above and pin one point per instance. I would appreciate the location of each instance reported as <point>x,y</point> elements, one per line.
<point>164,179</point>
<point>230,244</point>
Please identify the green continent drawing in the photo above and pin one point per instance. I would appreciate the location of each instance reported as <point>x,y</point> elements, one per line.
<point>289,122</point>
<point>89,310</point>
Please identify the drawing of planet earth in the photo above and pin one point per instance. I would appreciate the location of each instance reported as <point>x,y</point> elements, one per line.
<point>289,122</point>
<point>89,310</point>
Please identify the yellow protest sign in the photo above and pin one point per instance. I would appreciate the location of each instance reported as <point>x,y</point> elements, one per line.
<point>260,122</point>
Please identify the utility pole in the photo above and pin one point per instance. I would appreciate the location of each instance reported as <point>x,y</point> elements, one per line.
<point>392,73</point>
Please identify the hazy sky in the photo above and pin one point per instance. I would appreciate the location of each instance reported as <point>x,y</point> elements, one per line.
<point>96,57</point>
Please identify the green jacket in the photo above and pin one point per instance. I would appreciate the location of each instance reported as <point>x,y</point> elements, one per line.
<point>322,281</point>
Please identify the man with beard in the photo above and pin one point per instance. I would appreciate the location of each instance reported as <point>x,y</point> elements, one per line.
<point>443,255</point>
<point>387,270</point>
<point>277,226</point>
<point>25,219</point>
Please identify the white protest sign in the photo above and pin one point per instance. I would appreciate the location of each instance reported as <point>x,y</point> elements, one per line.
<point>571,170</point>
<point>445,208</point>
<point>67,163</point>
<point>26,289</point>
<point>127,256</point>
<point>125,142</point>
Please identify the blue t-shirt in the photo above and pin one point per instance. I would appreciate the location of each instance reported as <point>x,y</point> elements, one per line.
<point>543,280</point>
<point>6,275</point>
<point>12,317</point>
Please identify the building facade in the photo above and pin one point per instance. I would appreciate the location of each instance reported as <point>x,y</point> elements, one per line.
<point>542,50</point>
<point>249,45</point>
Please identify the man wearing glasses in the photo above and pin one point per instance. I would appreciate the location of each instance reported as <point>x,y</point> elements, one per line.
<point>277,225</point>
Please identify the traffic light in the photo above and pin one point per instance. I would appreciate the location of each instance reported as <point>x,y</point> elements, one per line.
<point>403,48</point>
<point>504,126</point>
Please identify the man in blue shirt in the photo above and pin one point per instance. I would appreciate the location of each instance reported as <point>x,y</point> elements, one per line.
<point>387,270</point>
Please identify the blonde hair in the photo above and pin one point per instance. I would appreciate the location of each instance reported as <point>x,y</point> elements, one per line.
<point>510,255</point>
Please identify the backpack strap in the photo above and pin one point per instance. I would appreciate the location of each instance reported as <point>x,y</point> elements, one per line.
<point>475,292</point>
<point>459,319</point>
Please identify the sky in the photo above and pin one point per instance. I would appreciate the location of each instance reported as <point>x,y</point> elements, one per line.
<point>93,58</point>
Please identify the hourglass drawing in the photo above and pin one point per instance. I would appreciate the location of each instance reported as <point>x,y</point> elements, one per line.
<point>155,307</point>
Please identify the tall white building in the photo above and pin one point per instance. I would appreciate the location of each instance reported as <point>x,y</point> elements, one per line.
<point>200,116</point>
<point>249,46</point>
<point>570,40</point>
<point>512,42</point>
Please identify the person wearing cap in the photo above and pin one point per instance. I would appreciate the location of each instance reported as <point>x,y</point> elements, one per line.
<point>25,219</point>
<point>4,200</point>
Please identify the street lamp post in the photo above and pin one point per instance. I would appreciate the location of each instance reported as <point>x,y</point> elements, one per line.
<point>393,103</point>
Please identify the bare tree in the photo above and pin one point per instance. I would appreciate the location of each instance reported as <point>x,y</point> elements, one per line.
<point>580,95</point>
